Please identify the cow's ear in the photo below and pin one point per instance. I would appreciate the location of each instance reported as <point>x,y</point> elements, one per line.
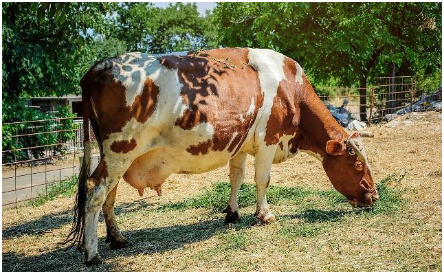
<point>334,147</point>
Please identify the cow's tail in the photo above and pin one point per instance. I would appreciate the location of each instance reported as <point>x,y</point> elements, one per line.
<point>76,235</point>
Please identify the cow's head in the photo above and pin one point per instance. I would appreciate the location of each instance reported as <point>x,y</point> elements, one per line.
<point>347,167</point>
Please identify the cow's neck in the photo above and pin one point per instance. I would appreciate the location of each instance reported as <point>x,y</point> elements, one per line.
<point>316,126</point>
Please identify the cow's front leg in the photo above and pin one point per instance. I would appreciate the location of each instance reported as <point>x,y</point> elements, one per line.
<point>237,174</point>
<point>262,165</point>
<point>113,235</point>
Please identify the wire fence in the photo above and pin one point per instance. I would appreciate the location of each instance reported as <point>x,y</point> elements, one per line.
<point>40,154</point>
<point>389,97</point>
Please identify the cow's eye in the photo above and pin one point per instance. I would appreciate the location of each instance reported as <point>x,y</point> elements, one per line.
<point>359,165</point>
<point>350,151</point>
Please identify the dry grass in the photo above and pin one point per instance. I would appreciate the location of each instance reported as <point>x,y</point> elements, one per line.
<point>316,231</point>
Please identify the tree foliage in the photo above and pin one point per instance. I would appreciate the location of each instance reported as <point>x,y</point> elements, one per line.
<point>47,47</point>
<point>344,41</point>
<point>348,43</point>
<point>147,28</point>
<point>43,55</point>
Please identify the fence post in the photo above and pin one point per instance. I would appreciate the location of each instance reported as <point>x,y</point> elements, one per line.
<point>412,87</point>
<point>371,106</point>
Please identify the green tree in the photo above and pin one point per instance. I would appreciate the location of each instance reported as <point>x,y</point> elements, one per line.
<point>134,24</point>
<point>179,27</point>
<point>40,54</point>
<point>348,42</point>
<point>47,47</point>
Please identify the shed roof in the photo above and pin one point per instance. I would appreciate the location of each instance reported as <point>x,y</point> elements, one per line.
<point>69,97</point>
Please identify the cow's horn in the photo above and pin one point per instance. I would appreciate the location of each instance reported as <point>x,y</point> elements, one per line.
<point>358,147</point>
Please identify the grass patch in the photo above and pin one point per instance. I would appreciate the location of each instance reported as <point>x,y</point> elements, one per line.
<point>235,240</point>
<point>316,205</point>
<point>65,188</point>
<point>216,198</point>
<point>302,230</point>
<point>390,199</point>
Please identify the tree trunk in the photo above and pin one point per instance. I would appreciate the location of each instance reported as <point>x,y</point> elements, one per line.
<point>363,98</point>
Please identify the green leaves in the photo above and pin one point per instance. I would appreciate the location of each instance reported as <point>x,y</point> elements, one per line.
<point>344,40</point>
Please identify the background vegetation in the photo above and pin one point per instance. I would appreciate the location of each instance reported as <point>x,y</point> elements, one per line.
<point>47,47</point>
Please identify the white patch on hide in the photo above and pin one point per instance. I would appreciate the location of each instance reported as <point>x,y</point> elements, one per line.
<point>299,73</point>
<point>232,138</point>
<point>251,107</point>
<point>270,67</point>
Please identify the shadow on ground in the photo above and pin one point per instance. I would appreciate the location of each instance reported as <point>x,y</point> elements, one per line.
<point>59,219</point>
<point>145,241</point>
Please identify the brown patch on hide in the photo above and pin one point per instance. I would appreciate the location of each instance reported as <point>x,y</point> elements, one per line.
<point>123,146</point>
<point>285,113</point>
<point>145,103</point>
<point>108,98</point>
<point>201,148</point>
<point>100,173</point>
<point>217,88</point>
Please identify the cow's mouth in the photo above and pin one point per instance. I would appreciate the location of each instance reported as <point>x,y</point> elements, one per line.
<point>369,200</point>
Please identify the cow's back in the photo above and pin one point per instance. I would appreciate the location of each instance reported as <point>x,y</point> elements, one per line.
<point>191,112</point>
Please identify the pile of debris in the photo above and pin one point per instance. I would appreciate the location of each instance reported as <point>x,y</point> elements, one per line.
<point>344,117</point>
<point>432,102</point>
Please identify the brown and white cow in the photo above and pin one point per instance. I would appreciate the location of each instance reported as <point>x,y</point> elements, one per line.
<point>191,113</point>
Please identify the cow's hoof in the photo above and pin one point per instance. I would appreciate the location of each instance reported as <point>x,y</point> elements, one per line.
<point>263,219</point>
<point>232,217</point>
<point>119,244</point>
<point>94,261</point>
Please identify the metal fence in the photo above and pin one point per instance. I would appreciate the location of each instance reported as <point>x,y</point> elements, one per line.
<point>40,153</point>
<point>388,96</point>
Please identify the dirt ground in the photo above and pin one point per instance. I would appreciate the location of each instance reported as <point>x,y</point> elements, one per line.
<point>410,239</point>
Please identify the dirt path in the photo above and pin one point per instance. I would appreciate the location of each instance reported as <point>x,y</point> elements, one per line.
<point>29,182</point>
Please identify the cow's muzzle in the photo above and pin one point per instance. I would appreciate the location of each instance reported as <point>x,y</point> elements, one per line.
<point>369,199</point>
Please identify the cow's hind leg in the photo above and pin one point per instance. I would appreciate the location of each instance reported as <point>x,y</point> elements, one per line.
<point>96,195</point>
<point>262,165</point>
<point>99,185</point>
<point>237,174</point>
<point>113,235</point>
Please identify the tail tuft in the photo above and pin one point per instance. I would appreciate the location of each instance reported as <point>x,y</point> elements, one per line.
<point>76,235</point>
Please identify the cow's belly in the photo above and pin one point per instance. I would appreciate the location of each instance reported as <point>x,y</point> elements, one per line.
<point>153,168</point>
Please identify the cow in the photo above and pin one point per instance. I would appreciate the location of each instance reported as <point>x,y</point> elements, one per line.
<point>155,115</point>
